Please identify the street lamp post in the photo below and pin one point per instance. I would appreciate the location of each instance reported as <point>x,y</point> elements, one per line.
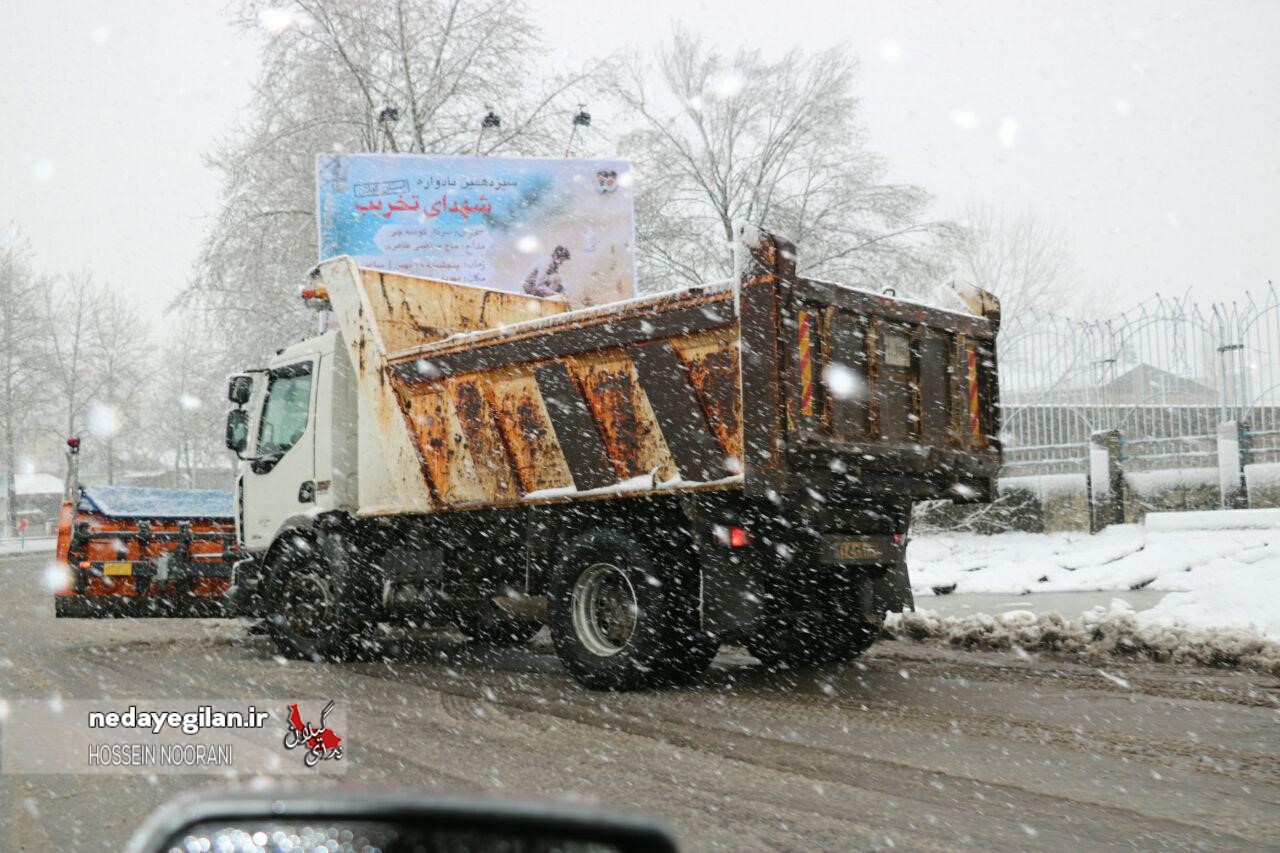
<point>387,119</point>
<point>491,121</point>
<point>581,119</point>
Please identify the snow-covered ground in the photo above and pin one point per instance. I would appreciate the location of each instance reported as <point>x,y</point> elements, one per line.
<point>1212,578</point>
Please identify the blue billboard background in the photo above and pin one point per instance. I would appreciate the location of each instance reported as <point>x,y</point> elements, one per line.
<point>505,223</point>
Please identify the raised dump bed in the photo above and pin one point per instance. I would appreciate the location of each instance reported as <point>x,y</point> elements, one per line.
<point>649,395</point>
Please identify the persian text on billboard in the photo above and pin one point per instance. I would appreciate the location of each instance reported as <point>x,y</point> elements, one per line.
<point>552,228</point>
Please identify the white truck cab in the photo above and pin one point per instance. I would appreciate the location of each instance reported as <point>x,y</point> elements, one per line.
<point>299,455</point>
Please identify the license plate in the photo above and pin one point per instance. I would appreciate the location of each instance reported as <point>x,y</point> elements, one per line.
<point>851,549</point>
<point>125,569</point>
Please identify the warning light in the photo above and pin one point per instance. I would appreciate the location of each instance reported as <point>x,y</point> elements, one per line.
<point>74,442</point>
<point>85,564</point>
<point>734,537</point>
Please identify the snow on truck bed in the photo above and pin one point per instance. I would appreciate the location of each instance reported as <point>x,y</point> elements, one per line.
<point>146,502</point>
<point>1216,578</point>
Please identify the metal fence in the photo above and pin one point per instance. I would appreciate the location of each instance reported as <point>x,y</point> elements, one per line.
<point>1164,375</point>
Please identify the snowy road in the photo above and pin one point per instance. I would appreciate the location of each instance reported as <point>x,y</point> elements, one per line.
<point>919,747</point>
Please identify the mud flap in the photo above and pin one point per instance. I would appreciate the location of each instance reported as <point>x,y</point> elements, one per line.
<point>244,598</point>
<point>732,594</point>
<point>891,591</point>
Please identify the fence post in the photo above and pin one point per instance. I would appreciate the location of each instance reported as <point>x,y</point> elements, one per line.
<point>1106,480</point>
<point>1232,485</point>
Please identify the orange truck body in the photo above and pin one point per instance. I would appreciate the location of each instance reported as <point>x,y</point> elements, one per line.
<point>141,552</point>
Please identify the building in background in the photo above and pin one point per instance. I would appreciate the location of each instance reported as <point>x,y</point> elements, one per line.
<point>38,496</point>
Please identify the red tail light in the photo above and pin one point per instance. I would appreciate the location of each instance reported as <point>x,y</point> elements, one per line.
<point>732,536</point>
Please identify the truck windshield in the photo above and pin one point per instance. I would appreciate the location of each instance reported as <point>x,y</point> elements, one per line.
<point>284,415</point>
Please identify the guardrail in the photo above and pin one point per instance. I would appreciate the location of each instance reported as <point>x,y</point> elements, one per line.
<point>26,544</point>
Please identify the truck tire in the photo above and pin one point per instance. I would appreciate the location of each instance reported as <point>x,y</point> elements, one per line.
<point>306,619</point>
<point>623,617</point>
<point>494,627</point>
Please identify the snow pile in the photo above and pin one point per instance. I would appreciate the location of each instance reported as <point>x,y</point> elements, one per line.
<point>1215,578</point>
<point>1102,632</point>
<point>1262,475</point>
<point>1044,486</point>
<point>1156,483</point>
<point>1238,591</point>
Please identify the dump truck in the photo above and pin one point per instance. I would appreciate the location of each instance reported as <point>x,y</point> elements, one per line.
<point>133,551</point>
<point>732,463</point>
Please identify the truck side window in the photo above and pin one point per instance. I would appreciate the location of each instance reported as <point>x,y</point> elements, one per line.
<point>284,415</point>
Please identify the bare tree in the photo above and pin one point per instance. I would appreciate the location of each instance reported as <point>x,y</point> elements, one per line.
<point>184,403</point>
<point>776,143</point>
<point>350,76</point>
<point>19,359</point>
<point>68,308</point>
<point>119,353</point>
<point>1023,258</point>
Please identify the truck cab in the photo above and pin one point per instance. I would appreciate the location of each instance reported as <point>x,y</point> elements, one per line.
<point>294,429</point>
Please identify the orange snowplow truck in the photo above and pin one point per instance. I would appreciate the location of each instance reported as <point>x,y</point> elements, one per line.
<point>144,552</point>
<point>732,463</point>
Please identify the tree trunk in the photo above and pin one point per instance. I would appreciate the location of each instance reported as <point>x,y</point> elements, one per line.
<point>10,459</point>
<point>10,479</point>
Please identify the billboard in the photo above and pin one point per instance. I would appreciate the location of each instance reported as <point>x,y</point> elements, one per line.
<point>553,228</point>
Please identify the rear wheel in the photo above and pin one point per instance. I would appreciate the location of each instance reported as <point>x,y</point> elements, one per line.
<point>623,617</point>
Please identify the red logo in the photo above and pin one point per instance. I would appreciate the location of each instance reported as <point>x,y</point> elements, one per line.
<point>322,743</point>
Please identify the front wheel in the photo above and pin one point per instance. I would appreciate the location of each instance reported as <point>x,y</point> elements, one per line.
<point>622,617</point>
<point>306,619</point>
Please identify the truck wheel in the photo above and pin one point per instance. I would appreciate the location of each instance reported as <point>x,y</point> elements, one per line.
<point>306,620</point>
<point>621,619</point>
<point>811,640</point>
<point>494,627</point>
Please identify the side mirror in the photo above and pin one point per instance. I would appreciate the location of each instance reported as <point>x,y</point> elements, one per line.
<point>237,430</point>
<point>239,387</point>
<point>356,820</point>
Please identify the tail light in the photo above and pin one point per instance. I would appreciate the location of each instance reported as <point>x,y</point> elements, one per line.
<point>733,536</point>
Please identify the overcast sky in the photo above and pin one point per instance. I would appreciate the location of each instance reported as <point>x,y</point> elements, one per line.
<point>1150,129</point>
